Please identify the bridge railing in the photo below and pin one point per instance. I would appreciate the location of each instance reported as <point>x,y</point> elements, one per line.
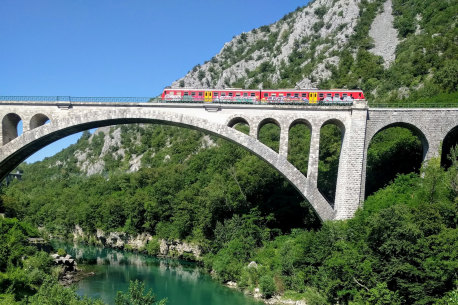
<point>413,105</point>
<point>75,99</point>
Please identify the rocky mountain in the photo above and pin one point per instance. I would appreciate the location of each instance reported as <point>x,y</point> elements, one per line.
<point>391,49</point>
<point>318,31</point>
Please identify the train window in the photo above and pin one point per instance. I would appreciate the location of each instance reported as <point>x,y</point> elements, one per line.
<point>165,92</point>
<point>329,95</point>
<point>223,94</point>
<point>215,93</point>
<point>337,95</point>
<point>280,94</point>
<point>273,94</point>
<point>245,94</point>
<point>344,95</point>
<point>200,93</point>
<point>237,94</point>
<point>193,94</point>
<point>253,94</point>
<point>288,94</point>
<point>266,94</point>
<point>230,93</point>
<point>321,94</point>
<point>186,94</point>
<point>304,94</point>
<point>296,94</point>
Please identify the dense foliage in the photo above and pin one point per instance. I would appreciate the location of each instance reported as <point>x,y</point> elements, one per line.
<point>401,249</point>
<point>29,276</point>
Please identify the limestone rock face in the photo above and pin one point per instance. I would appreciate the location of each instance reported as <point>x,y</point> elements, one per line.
<point>122,240</point>
<point>179,248</point>
<point>327,23</point>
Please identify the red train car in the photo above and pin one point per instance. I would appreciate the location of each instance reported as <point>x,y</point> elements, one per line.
<point>251,96</point>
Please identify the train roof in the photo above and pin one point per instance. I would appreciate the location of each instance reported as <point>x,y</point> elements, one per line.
<point>209,89</point>
<point>264,90</point>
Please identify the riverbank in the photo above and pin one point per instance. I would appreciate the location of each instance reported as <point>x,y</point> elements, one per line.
<point>274,300</point>
<point>72,277</point>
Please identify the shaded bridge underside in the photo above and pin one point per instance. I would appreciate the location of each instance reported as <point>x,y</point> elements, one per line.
<point>16,151</point>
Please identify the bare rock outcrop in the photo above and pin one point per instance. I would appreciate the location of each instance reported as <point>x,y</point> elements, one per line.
<point>384,34</point>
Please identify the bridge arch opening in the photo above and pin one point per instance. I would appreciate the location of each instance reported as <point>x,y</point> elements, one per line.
<point>398,148</point>
<point>241,124</point>
<point>299,137</point>
<point>38,120</point>
<point>450,141</point>
<point>41,137</point>
<point>11,127</point>
<point>269,133</point>
<point>332,134</point>
<point>288,207</point>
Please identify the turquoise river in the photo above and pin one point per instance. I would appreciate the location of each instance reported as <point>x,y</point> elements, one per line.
<point>180,282</point>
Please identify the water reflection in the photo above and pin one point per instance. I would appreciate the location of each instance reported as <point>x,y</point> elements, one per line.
<point>181,282</point>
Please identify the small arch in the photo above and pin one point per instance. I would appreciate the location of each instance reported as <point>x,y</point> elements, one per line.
<point>234,121</point>
<point>337,123</point>
<point>269,133</point>
<point>38,120</point>
<point>240,124</point>
<point>10,124</point>
<point>450,140</point>
<point>300,121</point>
<point>332,134</point>
<point>299,137</point>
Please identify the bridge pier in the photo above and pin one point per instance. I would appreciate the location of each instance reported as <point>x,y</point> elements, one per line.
<point>284,137</point>
<point>314,156</point>
<point>350,173</point>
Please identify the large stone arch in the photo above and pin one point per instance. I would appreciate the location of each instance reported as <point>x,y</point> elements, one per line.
<point>9,127</point>
<point>20,148</point>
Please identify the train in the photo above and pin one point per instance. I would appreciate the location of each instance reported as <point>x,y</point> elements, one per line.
<point>252,96</point>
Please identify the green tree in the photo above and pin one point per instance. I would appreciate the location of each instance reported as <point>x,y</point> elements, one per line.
<point>136,295</point>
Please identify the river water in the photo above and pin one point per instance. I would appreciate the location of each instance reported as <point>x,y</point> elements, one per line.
<point>182,283</point>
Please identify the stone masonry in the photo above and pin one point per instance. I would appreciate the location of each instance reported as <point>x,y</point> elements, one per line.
<point>358,124</point>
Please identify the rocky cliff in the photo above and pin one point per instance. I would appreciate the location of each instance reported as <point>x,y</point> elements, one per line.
<point>143,242</point>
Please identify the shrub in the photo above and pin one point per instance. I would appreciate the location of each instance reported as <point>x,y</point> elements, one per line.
<point>153,247</point>
<point>61,252</point>
<point>267,285</point>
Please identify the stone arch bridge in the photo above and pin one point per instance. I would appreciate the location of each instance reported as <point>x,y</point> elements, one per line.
<point>357,122</point>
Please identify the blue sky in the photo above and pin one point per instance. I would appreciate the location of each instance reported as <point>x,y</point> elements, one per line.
<point>116,48</point>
